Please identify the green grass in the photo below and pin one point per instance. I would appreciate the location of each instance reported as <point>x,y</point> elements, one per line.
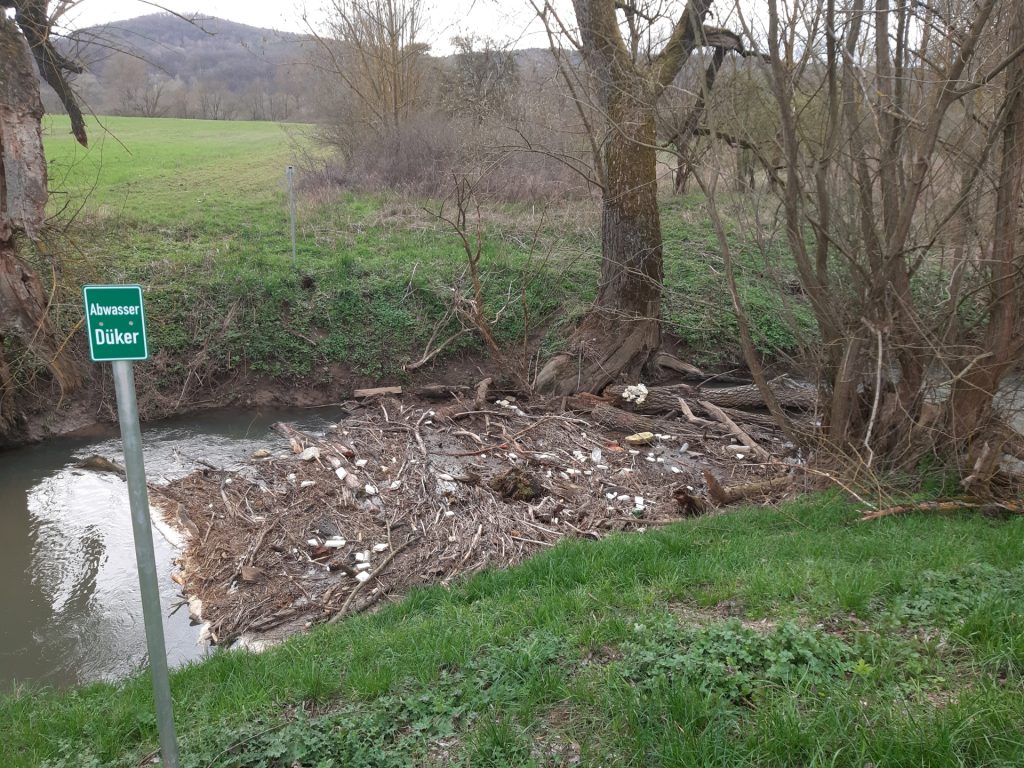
<point>897,642</point>
<point>196,212</point>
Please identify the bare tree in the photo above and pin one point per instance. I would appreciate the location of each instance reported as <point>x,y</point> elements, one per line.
<point>633,51</point>
<point>373,49</point>
<point>24,304</point>
<point>482,82</point>
<point>902,135</point>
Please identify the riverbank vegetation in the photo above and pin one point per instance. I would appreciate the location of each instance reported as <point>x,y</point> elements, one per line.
<point>782,636</point>
<point>197,212</point>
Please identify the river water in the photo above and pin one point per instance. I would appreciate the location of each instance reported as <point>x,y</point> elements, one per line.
<point>70,610</point>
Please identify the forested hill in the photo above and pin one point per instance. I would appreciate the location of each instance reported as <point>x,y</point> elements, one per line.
<point>235,53</point>
<point>162,65</point>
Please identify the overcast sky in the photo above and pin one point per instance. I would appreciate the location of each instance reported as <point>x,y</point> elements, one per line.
<point>486,18</point>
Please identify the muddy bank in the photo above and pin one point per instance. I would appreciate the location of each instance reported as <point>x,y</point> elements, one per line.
<point>406,492</point>
<point>47,414</point>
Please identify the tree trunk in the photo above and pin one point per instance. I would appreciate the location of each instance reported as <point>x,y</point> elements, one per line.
<point>623,328</point>
<point>23,194</point>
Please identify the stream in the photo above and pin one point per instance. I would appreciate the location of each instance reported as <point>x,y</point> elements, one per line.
<point>70,611</point>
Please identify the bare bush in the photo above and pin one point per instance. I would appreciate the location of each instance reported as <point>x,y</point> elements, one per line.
<point>420,158</point>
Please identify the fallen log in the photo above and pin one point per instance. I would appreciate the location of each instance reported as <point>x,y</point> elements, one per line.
<point>657,400</point>
<point>723,496</point>
<point>790,394</point>
<point>440,391</point>
<point>667,400</point>
<point>615,418</point>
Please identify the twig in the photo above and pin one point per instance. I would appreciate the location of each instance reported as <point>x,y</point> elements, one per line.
<point>476,537</point>
<point>416,434</point>
<point>953,505</point>
<point>690,417</point>
<point>878,395</point>
<point>532,541</point>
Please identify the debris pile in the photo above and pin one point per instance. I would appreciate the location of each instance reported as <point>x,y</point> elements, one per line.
<point>402,493</point>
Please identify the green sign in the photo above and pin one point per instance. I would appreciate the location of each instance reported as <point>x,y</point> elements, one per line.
<point>116,323</point>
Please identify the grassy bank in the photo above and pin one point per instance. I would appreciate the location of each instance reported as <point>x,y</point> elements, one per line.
<point>794,636</point>
<point>196,211</point>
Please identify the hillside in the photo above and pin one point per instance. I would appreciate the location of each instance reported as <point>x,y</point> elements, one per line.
<point>236,54</point>
<point>160,65</point>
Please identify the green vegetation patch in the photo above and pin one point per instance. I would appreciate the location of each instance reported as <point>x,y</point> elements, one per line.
<point>197,212</point>
<point>794,636</point>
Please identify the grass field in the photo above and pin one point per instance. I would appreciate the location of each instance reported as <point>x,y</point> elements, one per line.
<point>196,211</point>
<point>788,637</point>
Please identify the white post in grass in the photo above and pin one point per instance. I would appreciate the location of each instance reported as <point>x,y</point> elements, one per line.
<point>291,204</point>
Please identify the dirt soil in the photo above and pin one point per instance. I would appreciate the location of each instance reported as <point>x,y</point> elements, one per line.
<point>406,492</point>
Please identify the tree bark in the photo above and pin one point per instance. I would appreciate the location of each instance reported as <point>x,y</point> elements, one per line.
<point>23,195</point>
<point>623,329</point>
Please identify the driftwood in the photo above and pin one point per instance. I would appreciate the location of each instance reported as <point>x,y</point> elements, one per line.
<point>304,440</point>
<point>374,391</point>
<point>665,360</point>
<point>98,463</point>
<point>657,400</point>
<point>615,418</point>
<point>440,391</point>
<point>460,408</point>
<point>950,505</point>
<point>690,504</point>
<point>738,433</point>
<point>722,495</point>
<point>341,612</point>
<point>667,400</point>
<point>790,394</point>
<point>480,397</point>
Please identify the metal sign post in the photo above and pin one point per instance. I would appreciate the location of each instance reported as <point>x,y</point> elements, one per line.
<point>116,324</point>
<point>291,204</point>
